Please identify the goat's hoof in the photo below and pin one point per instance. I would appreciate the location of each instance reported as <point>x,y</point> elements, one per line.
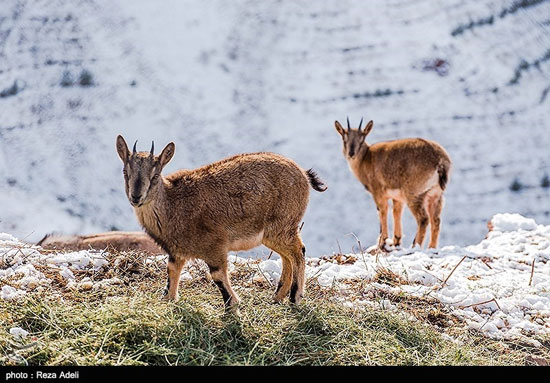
<point>382,244</point>
<point>168,298</point>
<point>383,248</point>
<point>233,309</point>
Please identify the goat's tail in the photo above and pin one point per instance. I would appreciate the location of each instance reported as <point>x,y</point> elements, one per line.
<point>443,171</point>
<point>315,181</point>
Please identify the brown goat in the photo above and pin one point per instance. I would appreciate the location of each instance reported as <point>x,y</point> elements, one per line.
<point>412,171</point>
<point>113,240</point>
<point>230,205</point>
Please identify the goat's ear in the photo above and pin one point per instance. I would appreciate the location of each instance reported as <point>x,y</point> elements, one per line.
<point>339,128</point>
<point>167,154</point>
<point>368,128</point>
<point>122,149</point>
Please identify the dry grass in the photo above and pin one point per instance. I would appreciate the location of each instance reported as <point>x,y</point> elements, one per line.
<point>128,324</point>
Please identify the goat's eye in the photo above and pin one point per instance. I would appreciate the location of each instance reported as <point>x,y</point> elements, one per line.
<point>155,177</point>
<point>124,172</point>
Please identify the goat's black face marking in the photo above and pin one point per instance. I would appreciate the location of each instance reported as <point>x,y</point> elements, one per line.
<point>141,174</point>
<point>352,150</point>
<point>142,170</point>
<point>353,140</point>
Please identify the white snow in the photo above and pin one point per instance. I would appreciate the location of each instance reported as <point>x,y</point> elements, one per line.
<point>7,238</point>
<point>9,293</point>
<point>66,273</point>
<point>271,268</point>
<point>512,222</point>
<point>20,261</point>
<point>79,259</point>
<point>18,333</point>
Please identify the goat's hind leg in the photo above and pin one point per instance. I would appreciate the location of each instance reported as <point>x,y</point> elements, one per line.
<point>287,272</point>
<point>418,208</point>
<point>298,274</point>
<point>435,206</point>
<point>285,282</point>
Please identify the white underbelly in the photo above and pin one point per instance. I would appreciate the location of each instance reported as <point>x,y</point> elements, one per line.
<point>395,194</point>
<point>247,243</point>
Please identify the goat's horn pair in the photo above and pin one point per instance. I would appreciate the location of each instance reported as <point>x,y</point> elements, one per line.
<point>152,147</point>
<point>360,123</point>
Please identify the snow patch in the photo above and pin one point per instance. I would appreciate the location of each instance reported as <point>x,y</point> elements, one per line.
<point>18,333</point>
<point>10,293</point>
<point>512,222</point>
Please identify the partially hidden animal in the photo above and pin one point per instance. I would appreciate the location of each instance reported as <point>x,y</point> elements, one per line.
<point>112,240</point>
<point>234,204</point>
<point>411,171</point>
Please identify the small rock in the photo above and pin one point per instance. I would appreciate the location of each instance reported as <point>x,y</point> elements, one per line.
<point>86,285</point>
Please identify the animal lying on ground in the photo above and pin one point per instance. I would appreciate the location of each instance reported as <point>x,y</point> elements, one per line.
<point>411,171</point>
<point>234,204</point>
<point>113,240</point>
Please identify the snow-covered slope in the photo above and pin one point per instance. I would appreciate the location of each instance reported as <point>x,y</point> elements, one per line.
<point>220,78</point>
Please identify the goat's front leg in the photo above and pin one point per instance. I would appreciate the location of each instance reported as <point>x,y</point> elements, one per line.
<point>175,264</point>
<point>382,207</point>
<point>218,272</point>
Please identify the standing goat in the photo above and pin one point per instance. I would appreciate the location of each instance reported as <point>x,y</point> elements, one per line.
<point>412,171</point>
<point>230,205</point>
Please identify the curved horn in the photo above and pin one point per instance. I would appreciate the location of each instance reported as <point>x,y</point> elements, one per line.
<point>348,124</point>
<point>360,123</point>
<point>134,150</point>
<point>152,148</point>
